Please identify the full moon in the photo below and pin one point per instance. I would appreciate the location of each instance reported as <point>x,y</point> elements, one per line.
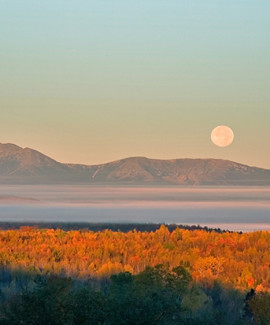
<point>222,136</point>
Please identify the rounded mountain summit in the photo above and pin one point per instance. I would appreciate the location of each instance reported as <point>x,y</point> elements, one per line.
<point>27,166</point>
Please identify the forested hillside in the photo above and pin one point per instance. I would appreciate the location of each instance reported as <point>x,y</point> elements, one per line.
<point>241,260</point>
<point>160,277</point>
<point>156,296</point>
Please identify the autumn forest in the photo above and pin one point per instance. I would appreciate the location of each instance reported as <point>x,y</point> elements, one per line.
<point>179,277</point>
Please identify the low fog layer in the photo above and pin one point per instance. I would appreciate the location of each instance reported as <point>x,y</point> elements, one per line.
<point>199,205</point>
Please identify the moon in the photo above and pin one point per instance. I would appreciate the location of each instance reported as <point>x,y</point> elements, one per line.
<point>222,136</point>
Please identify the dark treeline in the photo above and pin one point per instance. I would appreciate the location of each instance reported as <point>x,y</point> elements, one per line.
<point>156,296</point>
<point>124,227</point>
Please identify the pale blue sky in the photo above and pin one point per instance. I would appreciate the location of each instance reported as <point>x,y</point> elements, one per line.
<point>93,81</point>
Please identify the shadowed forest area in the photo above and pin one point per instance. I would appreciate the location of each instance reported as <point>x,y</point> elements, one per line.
<point>165,276</point>
<point>156,295</point>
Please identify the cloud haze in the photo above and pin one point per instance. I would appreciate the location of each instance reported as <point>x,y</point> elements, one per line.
<point>199,205</point>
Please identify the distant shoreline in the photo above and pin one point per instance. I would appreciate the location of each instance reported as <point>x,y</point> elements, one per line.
<point>84,226</point>
<point>126,226</point>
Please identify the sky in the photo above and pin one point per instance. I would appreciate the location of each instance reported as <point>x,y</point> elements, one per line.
<point>96,81</point>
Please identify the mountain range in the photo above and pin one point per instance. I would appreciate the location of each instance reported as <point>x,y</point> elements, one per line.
<point>27,166</point>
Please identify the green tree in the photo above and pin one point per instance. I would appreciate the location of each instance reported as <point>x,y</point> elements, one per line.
<point>48,304</point>
<point>260,307</point>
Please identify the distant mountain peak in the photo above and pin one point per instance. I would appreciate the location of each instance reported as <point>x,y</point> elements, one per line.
<point>9,147</point>
<point>27,166</point>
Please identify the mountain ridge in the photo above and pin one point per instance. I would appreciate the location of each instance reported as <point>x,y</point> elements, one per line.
<point>28,166</point>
